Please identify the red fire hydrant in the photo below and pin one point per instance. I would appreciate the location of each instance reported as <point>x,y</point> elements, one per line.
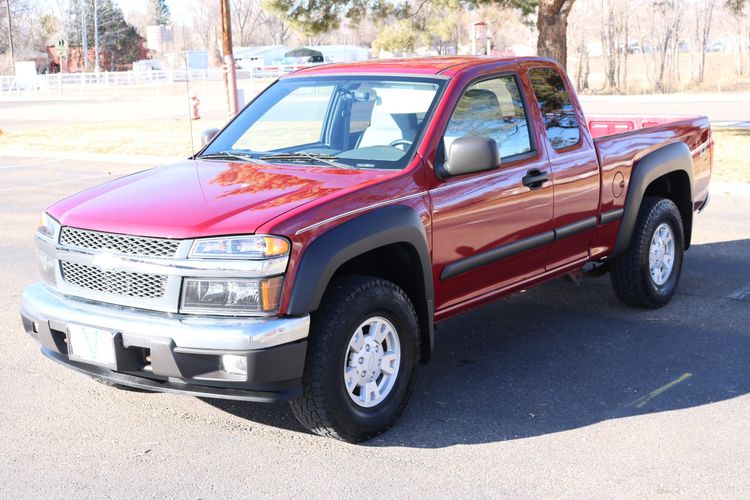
<point>196,107</point>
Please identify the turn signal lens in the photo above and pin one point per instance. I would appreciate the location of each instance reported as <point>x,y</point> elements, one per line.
<point>270,292</point>
<point>231,297</point>
<point>48,228</point>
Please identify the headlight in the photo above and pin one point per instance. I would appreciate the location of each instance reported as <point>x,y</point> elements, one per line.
<point>48,228</point>
<point>227,297</point>
<point>254,247</point>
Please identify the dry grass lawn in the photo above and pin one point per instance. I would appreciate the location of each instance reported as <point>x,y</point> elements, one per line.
<point>732,155</point>
<point>172,138</point>
<point>154,138</point>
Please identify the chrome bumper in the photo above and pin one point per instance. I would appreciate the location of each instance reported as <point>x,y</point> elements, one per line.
<point>173,351</point>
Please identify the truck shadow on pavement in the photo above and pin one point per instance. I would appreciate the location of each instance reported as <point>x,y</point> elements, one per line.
<point>562,356</point>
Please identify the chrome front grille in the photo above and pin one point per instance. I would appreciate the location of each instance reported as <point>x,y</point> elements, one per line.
<point>119,243</point>
<point>141,285</point>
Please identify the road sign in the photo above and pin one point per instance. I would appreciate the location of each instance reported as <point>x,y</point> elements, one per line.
<point>62,47</point>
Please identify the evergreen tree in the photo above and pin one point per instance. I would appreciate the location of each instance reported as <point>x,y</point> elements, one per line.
<point>314,17</point>
<point>160,12</point>
<point>117,39</point>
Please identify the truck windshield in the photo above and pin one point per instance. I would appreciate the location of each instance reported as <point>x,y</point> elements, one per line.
<point>345,122</point>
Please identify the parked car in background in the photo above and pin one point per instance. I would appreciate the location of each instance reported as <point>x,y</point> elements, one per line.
<point>145,65</point>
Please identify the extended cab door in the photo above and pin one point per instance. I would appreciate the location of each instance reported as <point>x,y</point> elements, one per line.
<point>574,164</point>
<point>491,229</point>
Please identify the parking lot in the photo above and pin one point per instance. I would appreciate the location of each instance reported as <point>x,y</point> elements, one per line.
<point>558,391</point>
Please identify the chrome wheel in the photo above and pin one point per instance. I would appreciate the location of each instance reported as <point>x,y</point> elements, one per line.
<point>661,254</point>
<point>372,361</point>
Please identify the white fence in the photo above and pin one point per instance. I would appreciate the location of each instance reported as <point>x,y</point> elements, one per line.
<point>57,83</point>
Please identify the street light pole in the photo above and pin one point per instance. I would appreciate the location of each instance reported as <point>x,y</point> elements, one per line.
<point>230,75</point>
<point>10,39</point>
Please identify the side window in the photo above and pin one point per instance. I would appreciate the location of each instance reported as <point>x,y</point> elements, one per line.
<point>492,108</point>
<point>557,111</point>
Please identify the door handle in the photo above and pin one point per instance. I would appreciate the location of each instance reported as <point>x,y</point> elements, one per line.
<point>535,178</point>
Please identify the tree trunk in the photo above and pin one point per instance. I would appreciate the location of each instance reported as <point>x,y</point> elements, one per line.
<point>552,23</point>
<point>707,16</point>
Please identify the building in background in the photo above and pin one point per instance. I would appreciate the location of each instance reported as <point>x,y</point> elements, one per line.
<point>193,59</point>
<point>159,38</point>
<point>343,53</point>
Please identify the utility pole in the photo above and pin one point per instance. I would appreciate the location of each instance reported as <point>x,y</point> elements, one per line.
<point>230,75</point>
<point>96,37</point>
<point>10,39</point>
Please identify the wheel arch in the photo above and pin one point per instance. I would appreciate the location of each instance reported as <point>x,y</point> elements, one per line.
<point>667,173</point>
<point>388,243</point>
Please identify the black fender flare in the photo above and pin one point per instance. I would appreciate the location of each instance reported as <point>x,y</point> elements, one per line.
<point>375,229</point>
<point>674,157</point>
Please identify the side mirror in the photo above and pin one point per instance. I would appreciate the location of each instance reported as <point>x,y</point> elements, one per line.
<point>471,154</point>
<point>208,134</point>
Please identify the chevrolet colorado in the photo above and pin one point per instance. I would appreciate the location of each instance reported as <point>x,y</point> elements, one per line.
<point>306,252</point>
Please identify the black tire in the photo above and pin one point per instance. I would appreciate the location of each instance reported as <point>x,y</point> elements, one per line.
<point>325,408</point>
<point>630,274</point>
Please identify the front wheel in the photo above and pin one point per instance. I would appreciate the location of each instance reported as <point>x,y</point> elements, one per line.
<point>362,353</point>
<point>646,275</point>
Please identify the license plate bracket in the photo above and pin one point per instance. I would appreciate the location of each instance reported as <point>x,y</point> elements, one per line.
<point>91,345</point>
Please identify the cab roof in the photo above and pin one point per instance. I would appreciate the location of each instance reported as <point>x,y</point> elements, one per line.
<point>443,65</point>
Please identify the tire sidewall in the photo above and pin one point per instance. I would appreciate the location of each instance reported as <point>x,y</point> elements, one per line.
<point>357,420</point>
<point>663,213</point>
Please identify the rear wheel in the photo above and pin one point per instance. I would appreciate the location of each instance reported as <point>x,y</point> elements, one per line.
<point>362,353</point>
<point>646,275</point>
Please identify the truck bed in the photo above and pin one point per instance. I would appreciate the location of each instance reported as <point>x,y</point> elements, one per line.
<point>601,125</point>
<point>622,140</point>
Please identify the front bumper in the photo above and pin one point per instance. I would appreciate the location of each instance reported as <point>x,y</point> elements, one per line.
<point>176,353</point>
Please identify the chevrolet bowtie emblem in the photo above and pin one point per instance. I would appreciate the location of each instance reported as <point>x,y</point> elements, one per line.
<point>107,261</point>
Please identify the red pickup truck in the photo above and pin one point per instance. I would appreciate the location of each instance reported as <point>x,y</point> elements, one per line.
<point>307,251</point>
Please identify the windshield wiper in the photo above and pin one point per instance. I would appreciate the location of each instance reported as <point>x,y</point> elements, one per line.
<point>323,158</point>
<point>226,155</point>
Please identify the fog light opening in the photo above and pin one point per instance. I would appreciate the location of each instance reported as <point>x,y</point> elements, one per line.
<point>233,364</point>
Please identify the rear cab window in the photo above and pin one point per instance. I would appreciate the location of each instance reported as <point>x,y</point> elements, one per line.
<point>556,108</point>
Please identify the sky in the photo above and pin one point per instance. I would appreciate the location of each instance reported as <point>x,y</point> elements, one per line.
<point>181,10</point>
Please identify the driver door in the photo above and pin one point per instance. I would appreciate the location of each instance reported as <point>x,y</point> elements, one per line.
<point>491,229</point>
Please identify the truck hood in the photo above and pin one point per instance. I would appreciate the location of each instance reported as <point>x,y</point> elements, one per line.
<point>204,198</point>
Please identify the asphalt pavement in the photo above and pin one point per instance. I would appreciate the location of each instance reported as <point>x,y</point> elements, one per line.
<point>559,391</point>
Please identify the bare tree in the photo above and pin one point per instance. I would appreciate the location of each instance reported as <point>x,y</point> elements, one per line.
<point>246,15</point>
<point>206,28</point>
<point>278,31</point>
<point>667,16</point>
<point>614,46</point>
<point>705,19</point>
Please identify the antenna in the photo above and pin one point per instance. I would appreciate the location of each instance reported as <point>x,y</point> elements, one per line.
<point>187,92</point>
